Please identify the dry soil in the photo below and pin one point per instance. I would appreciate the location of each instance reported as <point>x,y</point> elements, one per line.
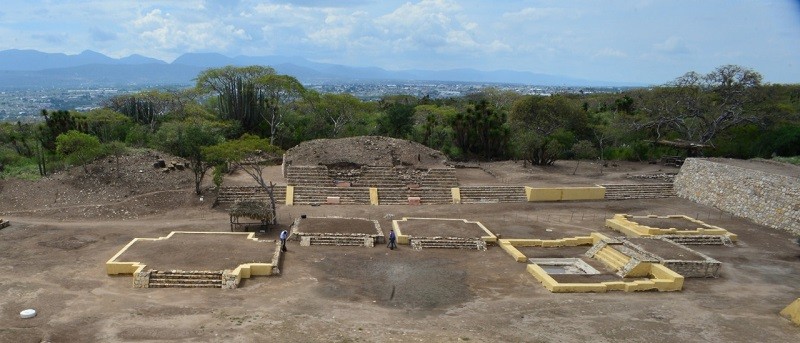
<point>63,229</point>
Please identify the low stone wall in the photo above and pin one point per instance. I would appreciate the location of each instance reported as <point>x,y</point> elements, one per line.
<point>767,199</point>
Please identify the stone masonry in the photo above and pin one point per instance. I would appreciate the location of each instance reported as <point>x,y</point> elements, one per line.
<point>767,199</point>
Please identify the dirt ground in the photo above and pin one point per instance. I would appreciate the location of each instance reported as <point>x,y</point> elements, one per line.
<point>54,252</point>
<point>336,225</point>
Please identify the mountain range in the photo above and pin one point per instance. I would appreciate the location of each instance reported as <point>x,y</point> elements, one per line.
<point>36,69</point>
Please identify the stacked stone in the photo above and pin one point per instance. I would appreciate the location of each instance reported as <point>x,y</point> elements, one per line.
<point>767,199</point>
<point>708,268</point>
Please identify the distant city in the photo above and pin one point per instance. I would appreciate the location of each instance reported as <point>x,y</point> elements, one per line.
<point>25,105</point>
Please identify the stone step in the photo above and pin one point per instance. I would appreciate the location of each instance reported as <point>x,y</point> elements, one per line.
<point>699,240</point>
<point>186,276</point>
<point>335,241</point>
<point>419,244</point>
<point>182,285</point>
<point>187,281</point>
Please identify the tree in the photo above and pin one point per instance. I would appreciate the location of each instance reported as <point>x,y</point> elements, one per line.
<point>274,93</point>
<point>432,126</point>
<point>147,107</point>
<point>117,149</point>
<point>397,120</point>
<point>698,107</point>
<point>187,139</point>
<point>251,154</point>
<point>583,149</point>
<point>55,123</point>
<point>105,124</point>
<point>338,109</point>
<point>538,124</point>
<point>78,148</point>
<point>237,97</point>
<point>481,131</point>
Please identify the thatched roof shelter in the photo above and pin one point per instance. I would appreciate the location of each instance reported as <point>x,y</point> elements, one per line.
<point>256,210</point>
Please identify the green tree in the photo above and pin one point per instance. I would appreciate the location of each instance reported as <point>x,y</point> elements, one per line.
<point>116,149</point>
<point>147,107</point>
<point>481,131</point>
<point>236,95</point>
<point>105,124</point>
<point>187,139</point>
<point>274,93</point>
<point>78,148</point>
<point>55,123</point>
<point>251,154</point>
<point>696,108</point>
<point>432,126</point>
<point>540,123</point>
<point>339,110</point>
<point>582,149</point>
<point>397,120</point>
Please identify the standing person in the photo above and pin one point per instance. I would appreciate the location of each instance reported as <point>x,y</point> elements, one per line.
<point>284,236</point>
<point>392,240</point>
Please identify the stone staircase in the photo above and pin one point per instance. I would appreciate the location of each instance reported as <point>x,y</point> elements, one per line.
<point>308,176</point>
<point>354,241</point>
<point>699,239</point>
<point>439,178</point>
<point>319,195</point>
<point>638,191</point>
<point>382,177</point>
<point>185,279</point>
<point>399,196</point>
<point>447,243</point>
<point>612,258</point>
<point>492,194</point>
<point>230,195</point>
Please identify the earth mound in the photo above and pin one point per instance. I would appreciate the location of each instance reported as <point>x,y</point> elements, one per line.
<point>354,152</point>
<point>126,188</point>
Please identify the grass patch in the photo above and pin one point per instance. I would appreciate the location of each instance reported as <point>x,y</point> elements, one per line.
<point>792,160</point>
<point>21,171</point>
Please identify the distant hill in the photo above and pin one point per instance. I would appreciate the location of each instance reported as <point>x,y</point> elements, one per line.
<point>31,68</point>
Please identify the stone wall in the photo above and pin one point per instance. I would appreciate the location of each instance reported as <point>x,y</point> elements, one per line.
<point>767,199</point>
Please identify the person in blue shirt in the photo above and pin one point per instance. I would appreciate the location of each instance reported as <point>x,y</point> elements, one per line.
<point>392,240</point>
<point>284,236</point>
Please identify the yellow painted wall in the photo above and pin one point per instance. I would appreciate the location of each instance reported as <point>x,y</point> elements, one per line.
<point>513,251</point>
<point>792,312</point>
<point>670,281</point>
<point>583,193</point>
<point>114,267</point>
<point>629,227</point>
<point>373,196</point>
<point>456,192</point>
<point>289,195</point>
<point>248,270</point>
<point>405,239</point>
<point>565,193</point>
<point>543,194</point>
<point>667,279</point>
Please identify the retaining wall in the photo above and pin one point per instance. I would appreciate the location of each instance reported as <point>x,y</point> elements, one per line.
<point>767,199</point>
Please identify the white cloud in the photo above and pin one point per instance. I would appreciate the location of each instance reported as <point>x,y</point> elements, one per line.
<point>164,31</point>
<point>537,13</point>
<point>672,45</point>
<point>610,52</point>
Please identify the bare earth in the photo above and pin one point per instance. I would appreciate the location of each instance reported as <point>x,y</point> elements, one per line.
<point>65,228</point>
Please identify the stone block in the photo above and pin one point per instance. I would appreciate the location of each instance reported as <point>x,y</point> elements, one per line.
<point>414,201</point>
<point>333,200</point>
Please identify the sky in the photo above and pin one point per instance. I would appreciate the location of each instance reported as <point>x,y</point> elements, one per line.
<point>644,41</point>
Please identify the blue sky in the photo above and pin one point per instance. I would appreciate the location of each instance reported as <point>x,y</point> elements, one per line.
<point>630,41</point>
